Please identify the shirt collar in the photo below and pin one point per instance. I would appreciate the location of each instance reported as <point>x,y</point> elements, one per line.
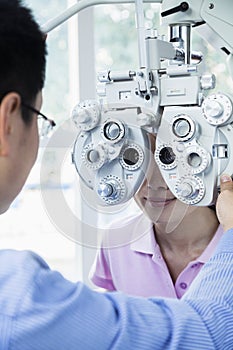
<point>204,257</point>
<point>146,243</point>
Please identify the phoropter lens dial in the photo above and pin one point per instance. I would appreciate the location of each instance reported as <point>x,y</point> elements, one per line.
<point>165,157</point>
<point>111,189</point>
<point>217,109</point>
<point>113,130</point>
<point>183,127</point>
<point>86,115</point>
<point>190,190</point>
<point>131,157</point>
<point>94,157</point>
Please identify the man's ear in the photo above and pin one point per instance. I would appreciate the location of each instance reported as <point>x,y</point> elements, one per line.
<point>10,108</point>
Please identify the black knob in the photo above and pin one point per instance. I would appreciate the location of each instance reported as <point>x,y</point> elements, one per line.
<point>184,6</point>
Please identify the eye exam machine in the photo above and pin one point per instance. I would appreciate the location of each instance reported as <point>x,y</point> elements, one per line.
<point>169,95</point>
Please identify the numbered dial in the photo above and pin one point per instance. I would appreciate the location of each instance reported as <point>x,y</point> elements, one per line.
<point>131,157</point>
<point>196,159</point>
<point>165,157</point>
<point>111,189</point>
<point>217,109</point>
<point>94,157</point>
<point>86,115</point>
<point>190,190</point>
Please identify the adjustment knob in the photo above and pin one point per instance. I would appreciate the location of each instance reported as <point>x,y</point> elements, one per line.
<point>217,109</point>
<point>83,117</point>
<point>86,115</point>
<point>208,81</point>
<point>190,190</point>
<point>183,127</point>
<point>185,190</point>
<point>106,190</point>
<point>113,130</point>
<point>183,7</point>
<point>111,189</point>
<point>213,109</point>
<point>93,156</point>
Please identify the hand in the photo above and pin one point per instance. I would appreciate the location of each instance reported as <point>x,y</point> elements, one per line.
<point>224,205</point>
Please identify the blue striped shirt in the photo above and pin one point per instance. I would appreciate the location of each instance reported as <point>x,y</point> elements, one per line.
<point>40,310</point>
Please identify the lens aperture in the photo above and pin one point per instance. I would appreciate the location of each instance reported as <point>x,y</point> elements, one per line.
<point>167,156</point>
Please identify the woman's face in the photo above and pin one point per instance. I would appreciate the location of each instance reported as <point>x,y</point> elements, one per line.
<point>156,200</point>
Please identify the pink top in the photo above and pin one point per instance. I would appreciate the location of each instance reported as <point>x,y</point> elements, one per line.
<point>138,268</point>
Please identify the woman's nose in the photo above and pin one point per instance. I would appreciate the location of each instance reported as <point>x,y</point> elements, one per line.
<point>154,177</point>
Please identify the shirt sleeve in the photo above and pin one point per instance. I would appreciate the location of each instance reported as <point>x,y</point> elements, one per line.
<point>58,314</point>
<point>100,273</point>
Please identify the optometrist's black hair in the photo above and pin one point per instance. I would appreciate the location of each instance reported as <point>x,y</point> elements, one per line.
<point>22,52</point>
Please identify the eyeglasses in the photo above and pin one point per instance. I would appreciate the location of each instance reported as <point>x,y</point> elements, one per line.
<point>45,125</point>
